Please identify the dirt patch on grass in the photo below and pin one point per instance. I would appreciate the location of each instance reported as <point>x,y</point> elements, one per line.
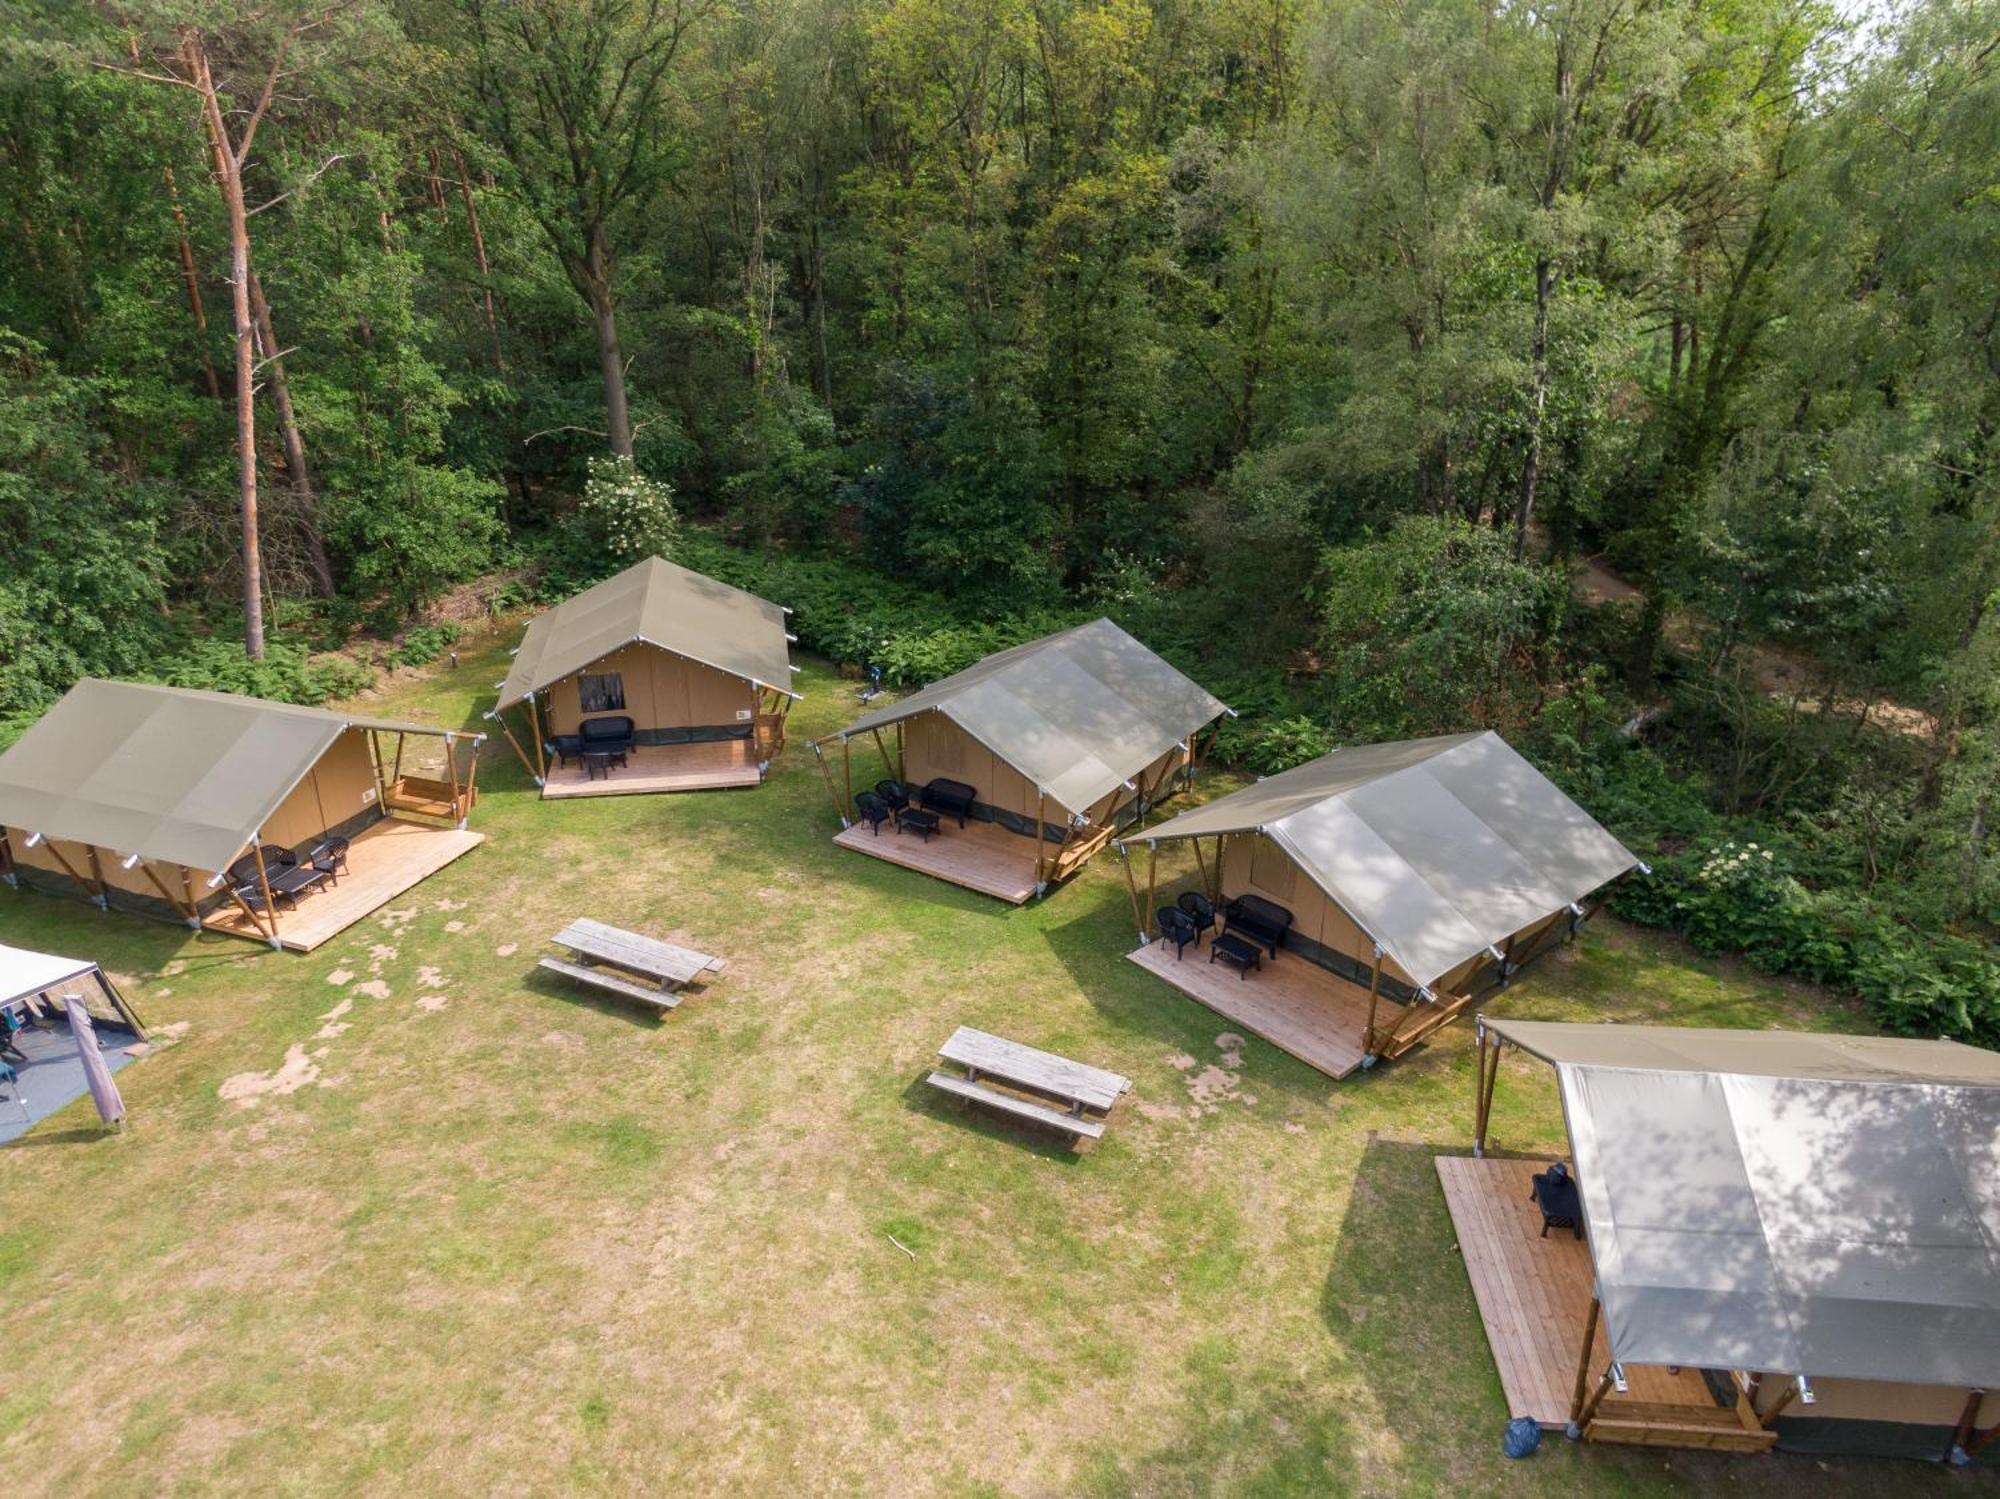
<point>297,1070</point>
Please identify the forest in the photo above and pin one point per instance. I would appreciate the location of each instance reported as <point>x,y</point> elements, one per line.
<point>1623,375</point>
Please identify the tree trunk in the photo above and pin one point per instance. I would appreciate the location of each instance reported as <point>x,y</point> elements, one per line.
<point>229,178</point>
<point>611,363</point>
<point>479,252</point>
<point>295,446</point>
<point>1531,465</point>
<point>193,283</point>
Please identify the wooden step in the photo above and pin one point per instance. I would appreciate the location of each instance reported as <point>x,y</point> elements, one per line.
<point>603,978</point>
<point>1021,1108</point>
<point>1652,1424</point>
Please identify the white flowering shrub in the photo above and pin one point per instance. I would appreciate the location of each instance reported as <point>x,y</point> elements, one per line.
<point>633,516</point>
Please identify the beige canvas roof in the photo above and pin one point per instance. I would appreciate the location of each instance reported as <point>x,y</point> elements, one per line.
<point>1438,848</point>
<point>663,605</point>
<point>1817,1205</point>
<point>168,773</point>
<point>1079,713</point>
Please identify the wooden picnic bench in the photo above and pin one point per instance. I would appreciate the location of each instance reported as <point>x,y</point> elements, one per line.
<point>1037,1086</point>
<point>628,963</point>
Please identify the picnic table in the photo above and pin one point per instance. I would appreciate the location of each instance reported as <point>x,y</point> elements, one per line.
<point>629,963</point>
<point>1063,1095</point>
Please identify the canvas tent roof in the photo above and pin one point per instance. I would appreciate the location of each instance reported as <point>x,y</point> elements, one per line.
<point>663,605</point>
<point>1817,1205</point>
<point>1438,848</point>
<point>167,773</point>
<point>1079,713</point>
<point>23,972</point>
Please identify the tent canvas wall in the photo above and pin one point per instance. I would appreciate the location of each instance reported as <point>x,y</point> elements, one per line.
<point>138,795</point>
<point>690,660</point>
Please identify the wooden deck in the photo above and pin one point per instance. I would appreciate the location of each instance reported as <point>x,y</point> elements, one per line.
<point>383,862</point>
<point>1297,1006</point>
<point>981,856</point>
<point>710,766</point>
<point>1534,1295</point>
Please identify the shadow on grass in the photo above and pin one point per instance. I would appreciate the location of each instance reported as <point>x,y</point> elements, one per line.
<point>81,1134</point>
<point>545,985</point>
<point>921,1098</point>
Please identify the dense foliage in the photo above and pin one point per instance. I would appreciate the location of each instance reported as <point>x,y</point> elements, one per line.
<point>1316,340</point>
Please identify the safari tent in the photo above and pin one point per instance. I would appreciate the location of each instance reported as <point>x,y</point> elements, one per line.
<point>1036,757</point>
<point>658,679</point>
<point>1780,1239</point>
<point>259,819</point>
<point>1398,881</point>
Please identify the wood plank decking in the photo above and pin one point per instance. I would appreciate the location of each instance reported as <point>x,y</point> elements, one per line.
<point>1534,1295</point>
<point>980,856</point>
<point>382,862</point>
<point>1297,1006</point>
<point>712,766</point>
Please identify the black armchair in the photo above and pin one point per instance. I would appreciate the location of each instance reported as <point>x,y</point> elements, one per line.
<point>1560,1203</point>
<point>1177,927</point>
<point>1199,912</point>
<point>873,810</point>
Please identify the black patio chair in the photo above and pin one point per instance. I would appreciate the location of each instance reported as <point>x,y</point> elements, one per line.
<point>329,857</point>
<point>1198,910</point>
<point>873,809</point>
<point>1561,1204</point>
<point>566,747</point>
<point>1177,927</point>
<point>895,793</point>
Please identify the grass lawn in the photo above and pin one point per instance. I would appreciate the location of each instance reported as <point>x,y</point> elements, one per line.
<point>455,1229</point>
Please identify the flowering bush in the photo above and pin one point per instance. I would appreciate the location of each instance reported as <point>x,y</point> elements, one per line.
<point>632,515</point>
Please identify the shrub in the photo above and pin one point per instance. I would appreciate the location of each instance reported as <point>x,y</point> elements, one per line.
<point>631,515</point>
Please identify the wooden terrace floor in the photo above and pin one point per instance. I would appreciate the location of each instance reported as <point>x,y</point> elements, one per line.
<point>1297,1006</point>
<point>1534,1295</point>
<point>708,766</point>
<point>981,856</point>
<point>382,862</point>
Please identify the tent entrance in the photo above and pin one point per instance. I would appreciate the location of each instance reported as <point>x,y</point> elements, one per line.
<point>699,765</point>
<point>383,860</point>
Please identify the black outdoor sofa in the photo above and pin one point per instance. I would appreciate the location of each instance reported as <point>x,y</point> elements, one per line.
<point>949,797</point>
<point>1263,922</point>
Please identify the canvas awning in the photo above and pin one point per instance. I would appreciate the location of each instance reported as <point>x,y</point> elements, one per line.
<point>23,972</point>
<point>661,605</point>
<point>1790,1203</point>
<point>1078,713</point>
<point>167,773</point>
<point>1437,848</point>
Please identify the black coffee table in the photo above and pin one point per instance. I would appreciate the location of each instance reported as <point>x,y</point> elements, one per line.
<point>915,819</point>
<point>1233,950</point>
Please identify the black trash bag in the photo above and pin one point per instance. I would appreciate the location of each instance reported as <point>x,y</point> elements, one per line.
<point>1524,1436</point>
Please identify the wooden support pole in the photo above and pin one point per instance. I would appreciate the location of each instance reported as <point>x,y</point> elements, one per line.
<point>256,921</point>
<point>883,750</point>
<point>120,1005</point>
<point>901,752</point>
<point>847,775</point>
<point>1374,999</point>
<point>97,873</point>
<point>535,732</point>
<point>519,753</point>
<point>1201,864</point>
<point>1152,871</point>
<point>381,777</point>
<point>1489,1081</point>
<point>1979,1441</point>
<point>1580,1425</point>
<point>1583,1359</point>
<point>397,774</point>
<point>165,894</point>
<point>826,774</point>
<point>471,776</point>
<point>1968,1421</point>
<point>1041,838</point>
<point>451,778</point>
<point>264,881</point>
<point>68,868</point>
<point>1139,917</point>
<point>1215,895</point>
<point>187,889</point>
<point>1785,1397</point>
